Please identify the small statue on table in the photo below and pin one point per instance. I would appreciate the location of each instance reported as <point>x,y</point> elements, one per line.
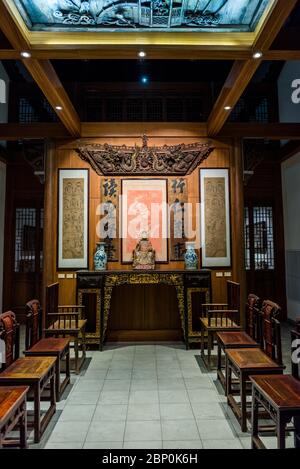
<point>144,254</point>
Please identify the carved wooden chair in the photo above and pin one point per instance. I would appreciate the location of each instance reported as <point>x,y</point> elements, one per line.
<point>279,396</point>
<point>12,415</point>
<point>34,372</point>
<point>48,347</point>
<point>242,363</point>
<point>240,339</point>
<point>219,317</point>
<point>65,321</point>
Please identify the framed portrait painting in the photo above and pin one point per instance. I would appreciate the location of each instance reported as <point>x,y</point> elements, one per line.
<point>215,218</point>
<point>144,210</point>
<point>73,190</point>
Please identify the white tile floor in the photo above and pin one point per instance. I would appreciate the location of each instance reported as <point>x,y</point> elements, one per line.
<point>142,396</point>
<point>145,396</point>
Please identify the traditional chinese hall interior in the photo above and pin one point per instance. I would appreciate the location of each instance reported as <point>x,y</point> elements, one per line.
<point>149,224</point>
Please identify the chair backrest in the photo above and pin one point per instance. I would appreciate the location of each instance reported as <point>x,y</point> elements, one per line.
<point>233,295</point>
<point>10,334</point>
<point>51,300</point>
<point>33,323</point>
<point>252,317</point>
<point>271,331</point>
<point>295,337</point>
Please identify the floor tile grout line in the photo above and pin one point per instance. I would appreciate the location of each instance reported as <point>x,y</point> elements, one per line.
<point>125,426</point>
<point>94,409</point>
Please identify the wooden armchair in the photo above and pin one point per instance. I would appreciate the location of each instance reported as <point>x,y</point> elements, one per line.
<point>251,338</point>
<point>33,372</point>
<point>12,415</point>
<point>242,363</point>
<point>48,347</point>
<point>66,321</point>
<point>218,317</point>
<point>279,396</point>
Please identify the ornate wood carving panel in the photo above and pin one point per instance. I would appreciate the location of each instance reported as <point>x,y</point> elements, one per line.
<point>172,160</point>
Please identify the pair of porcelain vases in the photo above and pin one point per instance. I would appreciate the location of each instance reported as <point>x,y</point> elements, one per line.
<point>190,257</point>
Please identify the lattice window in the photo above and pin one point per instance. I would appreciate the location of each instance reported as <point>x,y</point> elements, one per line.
<point>27,112</point>
<point>247,239</point>
<point>25,240</point>
<point>114,110</point>
<point>263,238</point>
<point>259,238</point>
<point>175,110</point>
<point>134,110</point>
<point>262,111</point>
<point>154,110</point>
<point>28,241</point>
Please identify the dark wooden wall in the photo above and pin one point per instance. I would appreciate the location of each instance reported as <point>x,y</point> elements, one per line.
<point>23,189</point>
<point>265,188</point>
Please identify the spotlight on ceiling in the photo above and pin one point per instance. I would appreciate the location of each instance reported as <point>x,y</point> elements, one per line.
<point>25,54</point>
<point>142,54</point>
<point>227,108</point>
<point>144,80</point>
<point>58,108</point>
<point>257,55</point>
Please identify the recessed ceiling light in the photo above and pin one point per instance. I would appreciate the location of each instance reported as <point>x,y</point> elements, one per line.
<point>227,108</point>
<point>25,54</point>
<point>257,55</point>
<point>58,108</point>
<point>142,54</point>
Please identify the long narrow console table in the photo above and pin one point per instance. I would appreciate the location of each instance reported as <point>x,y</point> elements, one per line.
<point>94,291</point>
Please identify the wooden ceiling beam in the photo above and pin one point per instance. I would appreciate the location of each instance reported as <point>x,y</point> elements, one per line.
<point>34,131</point>
<point>159,54</point>
<point>44,75</point>
<point>243,71</point>
<point>272,131</point>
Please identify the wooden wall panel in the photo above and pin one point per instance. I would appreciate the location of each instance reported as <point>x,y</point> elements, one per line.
<point>65,156</point>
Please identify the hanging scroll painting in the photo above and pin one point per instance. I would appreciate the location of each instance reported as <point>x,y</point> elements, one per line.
<point>215,218</point>
<point>73,188</point>
<point>178,197</point>
<point>144,209</point>
<point>110,192</point>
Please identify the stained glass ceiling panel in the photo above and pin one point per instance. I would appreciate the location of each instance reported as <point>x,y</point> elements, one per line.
<point>142,15</point>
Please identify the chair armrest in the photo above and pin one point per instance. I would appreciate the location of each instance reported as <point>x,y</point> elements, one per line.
<point>64,313</point>
<point>223,311</point>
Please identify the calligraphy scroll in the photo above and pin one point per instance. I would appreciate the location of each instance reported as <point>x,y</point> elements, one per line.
<point>178,197</point>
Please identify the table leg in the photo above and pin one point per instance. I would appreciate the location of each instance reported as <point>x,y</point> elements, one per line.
<point>37,412</point>
<point>228,377</point>
<point>297,432</point>
<point>209,342</point>
<point>281,427</point>
<point>254,419</point>
<point>76,355</point>
<point>68,373</point>
<point>23,428</point>
<point>202,341</point>
<point>57,380</point>
<point>243,393</point>
<point>219,365</point>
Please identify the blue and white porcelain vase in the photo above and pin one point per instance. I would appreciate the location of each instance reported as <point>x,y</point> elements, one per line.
<point>190,257</point>
<point>100,257</point>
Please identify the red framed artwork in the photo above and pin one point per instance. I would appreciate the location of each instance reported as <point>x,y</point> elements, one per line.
<point>144,210</point>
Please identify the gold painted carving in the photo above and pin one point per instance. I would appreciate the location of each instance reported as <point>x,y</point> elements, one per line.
<point>114,280</point>
<point>92,337</point>
<point>190,291</point>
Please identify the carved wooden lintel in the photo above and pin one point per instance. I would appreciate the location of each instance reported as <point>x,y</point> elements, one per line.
<point>169,160</point>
